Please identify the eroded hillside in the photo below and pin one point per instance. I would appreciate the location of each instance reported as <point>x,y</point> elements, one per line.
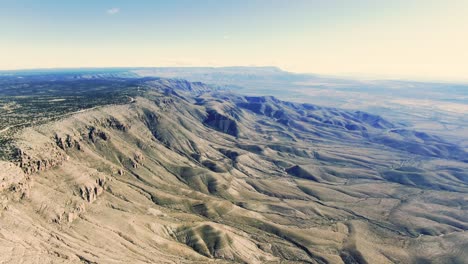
<point>183,174</point>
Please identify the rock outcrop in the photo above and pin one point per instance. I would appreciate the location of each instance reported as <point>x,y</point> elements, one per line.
<point>48,156</point>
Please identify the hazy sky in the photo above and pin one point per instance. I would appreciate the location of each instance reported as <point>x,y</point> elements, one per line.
<point>411,38</point>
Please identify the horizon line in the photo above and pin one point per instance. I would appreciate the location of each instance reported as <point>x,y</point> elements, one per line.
<point>346,76</point>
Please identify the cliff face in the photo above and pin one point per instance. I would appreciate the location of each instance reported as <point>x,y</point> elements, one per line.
<point>222,123</point>
<point>14,184</point>
<point>10,174</point>
<point>171,178</point>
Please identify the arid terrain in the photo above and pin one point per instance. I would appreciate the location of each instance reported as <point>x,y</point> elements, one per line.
<point>131,169</point>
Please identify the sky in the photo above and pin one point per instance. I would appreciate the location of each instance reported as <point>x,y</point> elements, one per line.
<point>374,38</point>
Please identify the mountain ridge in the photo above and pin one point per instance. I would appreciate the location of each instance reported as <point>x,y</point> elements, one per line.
<point>184,174</point>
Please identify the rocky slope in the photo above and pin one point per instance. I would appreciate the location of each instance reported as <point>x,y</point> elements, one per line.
<point>183,174</point>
